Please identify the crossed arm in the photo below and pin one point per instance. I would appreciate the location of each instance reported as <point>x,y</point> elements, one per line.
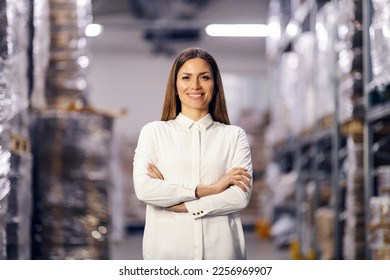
<point>236,176</point>
<point>230,193</point>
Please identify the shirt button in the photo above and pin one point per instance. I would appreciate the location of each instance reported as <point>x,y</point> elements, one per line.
<point>198,213</point>
<point>201,212</point>
<point>194,214</point>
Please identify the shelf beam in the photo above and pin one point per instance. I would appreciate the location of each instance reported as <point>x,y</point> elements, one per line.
<point>378,112</point>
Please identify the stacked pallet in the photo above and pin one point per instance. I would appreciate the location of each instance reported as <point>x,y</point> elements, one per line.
<point>72,181</point>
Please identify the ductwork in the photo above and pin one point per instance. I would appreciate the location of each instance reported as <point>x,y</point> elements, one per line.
<point>168,16</point>
<point>166,9</point>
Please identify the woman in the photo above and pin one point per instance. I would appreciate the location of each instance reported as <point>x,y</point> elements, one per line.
<point>193,169</point>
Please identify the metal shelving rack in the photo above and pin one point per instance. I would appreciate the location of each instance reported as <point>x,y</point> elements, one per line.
<point>368,159</point>
<point>375,114</point>
<point>303,14</point>
<point>308,152</point>
<point>335,177</point>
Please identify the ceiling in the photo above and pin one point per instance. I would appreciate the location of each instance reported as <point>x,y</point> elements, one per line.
<point>172,25</point>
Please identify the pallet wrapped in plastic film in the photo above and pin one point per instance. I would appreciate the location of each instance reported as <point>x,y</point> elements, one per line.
<point>4,191</point>
<point>40,52</point>
<point>380,51</point>
<point>4,131</point>
<point>20,198</point>
<point>14,44</point>
<point>66,76</point>
<point>71,182</point>
<point>16,76</point>
<point>4,188</point>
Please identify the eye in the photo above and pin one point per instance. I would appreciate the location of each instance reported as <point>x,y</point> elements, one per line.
<point>185,78</point>
<point>205,78</point>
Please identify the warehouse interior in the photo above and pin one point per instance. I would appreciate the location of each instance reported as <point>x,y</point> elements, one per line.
<point>80,78</point>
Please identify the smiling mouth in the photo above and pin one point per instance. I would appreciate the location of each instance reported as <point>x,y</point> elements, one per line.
<point>195,95</point>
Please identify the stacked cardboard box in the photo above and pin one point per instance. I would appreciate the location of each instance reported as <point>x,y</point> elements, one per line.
<point>380,227</point>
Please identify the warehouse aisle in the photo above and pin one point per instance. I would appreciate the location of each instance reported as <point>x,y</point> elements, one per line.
<point>131,248</point>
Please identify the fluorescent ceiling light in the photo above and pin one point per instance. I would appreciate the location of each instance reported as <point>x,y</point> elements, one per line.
<point>237,30</point>
<point>292,29</point>
<point>93,30</point>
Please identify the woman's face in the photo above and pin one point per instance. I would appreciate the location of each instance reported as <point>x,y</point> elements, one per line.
<point>195,86</point>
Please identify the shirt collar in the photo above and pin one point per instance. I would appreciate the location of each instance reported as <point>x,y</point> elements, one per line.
<point>204,122</point>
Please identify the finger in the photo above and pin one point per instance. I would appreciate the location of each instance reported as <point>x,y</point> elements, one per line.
<point>151,170</point>
<point>151,166</point>
<point>153,174</point>
<point>159,174</point>
<point>241,171</point>
<point>237,169</point>
<point>245,183</point>
<point>248,184</point>
<point>241,186</point>
<point>156,176</point>
<point>243,180</point>
<point>242,177</point>
<point>240,168</point>
<point>244,173</point>
<point>156,171</point>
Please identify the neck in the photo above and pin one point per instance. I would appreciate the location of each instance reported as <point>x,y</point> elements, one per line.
<point>195,115</point>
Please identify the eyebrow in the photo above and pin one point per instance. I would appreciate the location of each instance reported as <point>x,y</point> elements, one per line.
<point>206,72</point>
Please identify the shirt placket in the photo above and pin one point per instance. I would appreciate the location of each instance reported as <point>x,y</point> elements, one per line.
<point>196,161</point>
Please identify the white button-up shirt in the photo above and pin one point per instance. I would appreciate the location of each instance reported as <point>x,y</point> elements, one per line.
<point>189,153</point>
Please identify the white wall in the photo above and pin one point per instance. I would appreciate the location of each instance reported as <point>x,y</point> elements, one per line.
<point>122,80</point>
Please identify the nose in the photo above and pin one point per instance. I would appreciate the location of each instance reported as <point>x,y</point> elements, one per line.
<point>195,84</point>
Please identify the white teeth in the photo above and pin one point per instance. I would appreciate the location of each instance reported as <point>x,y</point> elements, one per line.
<point>195,95</point>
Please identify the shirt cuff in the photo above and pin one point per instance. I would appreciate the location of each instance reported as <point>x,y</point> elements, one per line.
<point>188,191</point>
<point>197,208</point>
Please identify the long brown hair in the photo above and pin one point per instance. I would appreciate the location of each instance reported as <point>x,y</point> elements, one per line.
<point>172,104</point>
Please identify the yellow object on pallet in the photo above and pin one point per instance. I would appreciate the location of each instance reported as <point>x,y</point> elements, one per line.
<point>295,250</point>
<point>263,229</point>
<point>311,254</point>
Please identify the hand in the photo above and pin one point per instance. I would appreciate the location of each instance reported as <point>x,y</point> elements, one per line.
<point>178,208</point>
<point>236,176</point>
<point>154,173</point>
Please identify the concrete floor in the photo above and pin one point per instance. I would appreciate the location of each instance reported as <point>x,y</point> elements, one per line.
<point>130,248</point>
